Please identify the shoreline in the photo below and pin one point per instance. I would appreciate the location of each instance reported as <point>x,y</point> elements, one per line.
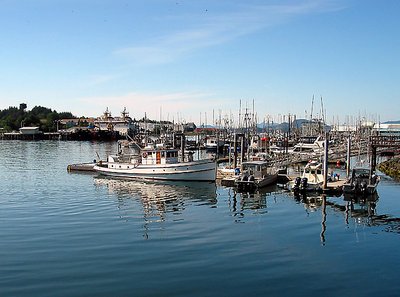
<point>391,167</point>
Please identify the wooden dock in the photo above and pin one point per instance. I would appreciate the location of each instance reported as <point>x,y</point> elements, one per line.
<point>332,188</point>
<point>81,167</point>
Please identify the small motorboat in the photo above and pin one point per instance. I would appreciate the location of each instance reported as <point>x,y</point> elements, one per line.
<point>312,178</point>
<point>254,175</point>
<point>361,182</point>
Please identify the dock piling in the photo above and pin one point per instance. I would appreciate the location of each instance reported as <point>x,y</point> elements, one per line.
<point>348,157</point>
<point>326,144</point>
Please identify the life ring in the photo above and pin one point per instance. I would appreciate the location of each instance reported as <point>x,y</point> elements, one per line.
<point>144,155</point>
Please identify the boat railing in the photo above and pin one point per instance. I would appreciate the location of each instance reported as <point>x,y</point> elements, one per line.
<point>127,158</point>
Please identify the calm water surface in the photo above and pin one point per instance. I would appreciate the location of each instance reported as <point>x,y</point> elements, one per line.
<point>68,234</point>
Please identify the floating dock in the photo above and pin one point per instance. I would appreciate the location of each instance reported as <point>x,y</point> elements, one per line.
<point>83,167</point>
<point>332,188</point>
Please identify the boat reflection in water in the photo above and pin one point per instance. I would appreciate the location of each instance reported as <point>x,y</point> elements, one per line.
<point>157,198</point>
<point>358,210</point>
<point>240,202</point>
<point>312,201</point>
<point>362,208</point>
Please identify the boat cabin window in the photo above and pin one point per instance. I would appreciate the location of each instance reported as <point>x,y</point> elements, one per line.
<point>310,171</point>
<point>362,174</point>
<point>172,154</point>
<point>254,168</point>
<point>247,167</point>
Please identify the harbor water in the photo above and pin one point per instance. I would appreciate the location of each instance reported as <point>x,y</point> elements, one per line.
<point>77,234</point>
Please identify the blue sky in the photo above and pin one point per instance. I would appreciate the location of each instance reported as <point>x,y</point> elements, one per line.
<point>187,60</point>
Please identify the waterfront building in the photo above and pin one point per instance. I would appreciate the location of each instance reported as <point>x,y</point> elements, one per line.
<point>29,130</point>
<point>69,123</point>
<point>386,129</point>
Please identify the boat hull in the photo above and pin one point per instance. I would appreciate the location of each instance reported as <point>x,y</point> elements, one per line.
<point>350,189</point>
<point>203,170</point>
<point>360,182</point>
<point>252,185</point>
<point>310,187</point>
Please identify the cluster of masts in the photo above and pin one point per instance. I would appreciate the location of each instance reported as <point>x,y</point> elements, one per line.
<point>285,132</point>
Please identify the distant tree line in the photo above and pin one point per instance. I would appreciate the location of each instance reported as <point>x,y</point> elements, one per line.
<point>13,118</point>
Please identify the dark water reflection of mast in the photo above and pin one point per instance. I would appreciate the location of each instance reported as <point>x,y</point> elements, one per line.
<point>323,222</point>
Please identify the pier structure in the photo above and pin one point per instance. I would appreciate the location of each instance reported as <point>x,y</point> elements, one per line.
<point>382,141</point>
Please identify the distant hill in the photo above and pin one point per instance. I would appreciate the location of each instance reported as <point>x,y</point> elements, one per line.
<point>392,122</point>
<point>207,126</point>
<point>284,126</point>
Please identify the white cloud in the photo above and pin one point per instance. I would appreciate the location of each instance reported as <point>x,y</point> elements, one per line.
<point>211,30</point>
<point>101,79</point>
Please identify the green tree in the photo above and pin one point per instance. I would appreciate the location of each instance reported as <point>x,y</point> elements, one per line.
<point>66,115</point>
<point>44,118</point>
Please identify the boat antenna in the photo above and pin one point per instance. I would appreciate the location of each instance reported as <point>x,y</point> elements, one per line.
<point>240,108</point>
<point>312,107</point>
<point>311,114</point>
<point>322,111</point>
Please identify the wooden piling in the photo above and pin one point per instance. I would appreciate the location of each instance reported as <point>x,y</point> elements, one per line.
<point>326,144</point>
<point>348,157</point>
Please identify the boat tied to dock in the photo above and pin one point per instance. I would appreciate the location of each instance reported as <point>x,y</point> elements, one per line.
<point>312,178</point>
<point>255,175</point>
<point>361,182</point>
<point>157,162</point>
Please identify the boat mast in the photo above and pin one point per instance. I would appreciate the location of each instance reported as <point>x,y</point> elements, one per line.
<point>240,108</point>
<point>311,114</point>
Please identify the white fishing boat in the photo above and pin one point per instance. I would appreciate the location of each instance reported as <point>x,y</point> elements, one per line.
<point>315,148</point>
<point>212,143</point>
<point>312,178</point>
<point>158,163</point>
<point>255,175</point>
<point>123,124</point>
